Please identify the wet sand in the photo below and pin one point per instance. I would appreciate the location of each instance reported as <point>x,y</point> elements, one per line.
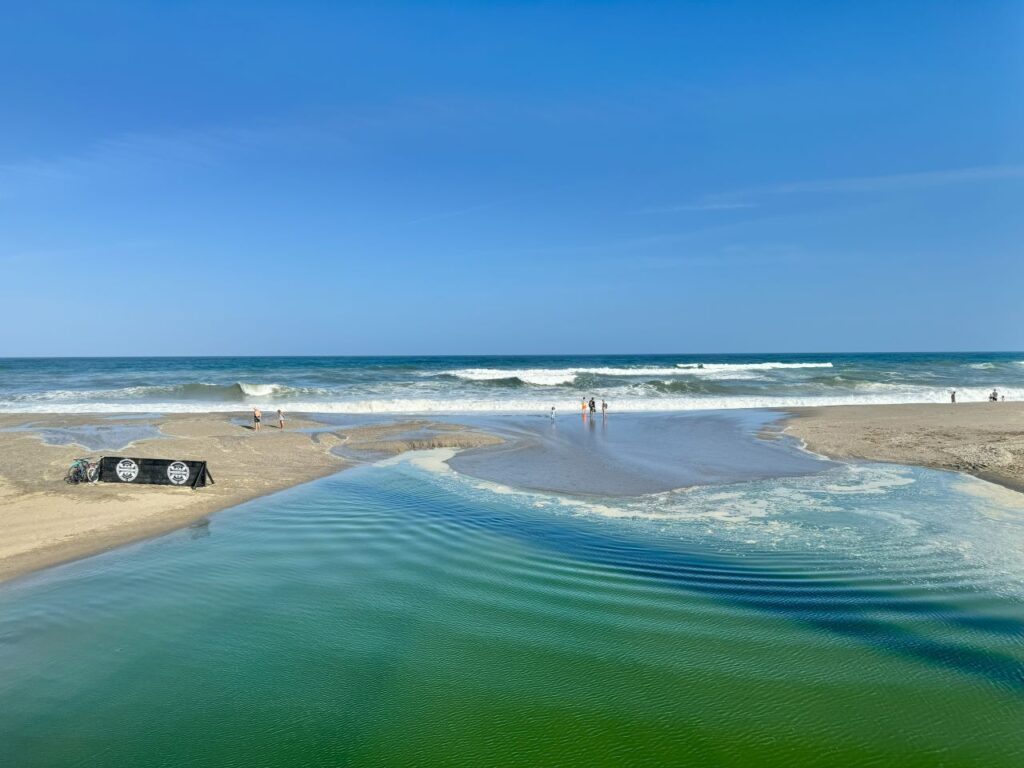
<point>983,439</point>
<point>44,521</point>
<point>630,454</point>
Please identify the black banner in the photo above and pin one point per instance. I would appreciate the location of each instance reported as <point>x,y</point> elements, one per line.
<point>120,469</point>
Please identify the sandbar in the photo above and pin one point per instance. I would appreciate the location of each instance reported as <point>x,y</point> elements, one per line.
<point>982,439</point>
<point>44,521</point>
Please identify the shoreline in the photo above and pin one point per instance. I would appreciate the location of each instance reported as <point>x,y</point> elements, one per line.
<point>45,522</point>
<point>985,440</point>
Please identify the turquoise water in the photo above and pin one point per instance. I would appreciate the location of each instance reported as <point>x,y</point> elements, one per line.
<point>506,384</point>
<point>404,614</point>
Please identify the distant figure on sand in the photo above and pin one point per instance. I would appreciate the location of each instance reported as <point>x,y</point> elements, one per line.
<point>280,419</point>
<point>593,407</point>
<point>994,397</point>
<point>952,397</point>
<point>257,417</point>
<point>604,407</point>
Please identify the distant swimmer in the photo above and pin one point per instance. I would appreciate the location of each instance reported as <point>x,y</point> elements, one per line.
<point>257,417</point>
<point>593,407</point>
<point>604,407</point>
<point>280,419</point>
<point>952,397</point>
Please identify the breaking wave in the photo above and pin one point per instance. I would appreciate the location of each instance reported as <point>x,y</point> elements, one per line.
<point>551,377</point>
<point>748,366</point>
<point>644,399</point>
<point>238,392</point>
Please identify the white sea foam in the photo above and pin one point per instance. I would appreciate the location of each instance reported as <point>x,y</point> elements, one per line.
<point>558,376</point>
<point>262,390</point>
<point>634,399</point>
<point>534,404</point>
<point>539,376</point>
<point>697,367</point>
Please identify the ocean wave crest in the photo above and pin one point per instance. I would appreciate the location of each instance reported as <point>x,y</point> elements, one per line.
<point>551,377</point>
<point>237,392</point>
<point>747,366</point>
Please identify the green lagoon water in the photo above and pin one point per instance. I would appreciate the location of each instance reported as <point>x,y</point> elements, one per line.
<point>403,614</point>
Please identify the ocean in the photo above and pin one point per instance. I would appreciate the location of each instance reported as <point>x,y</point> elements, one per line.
<point>420,385</point>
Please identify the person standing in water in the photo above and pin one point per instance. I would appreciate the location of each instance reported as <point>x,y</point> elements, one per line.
<point>583,407</point>
<point>604,408</point>
<point>257,417</point>
<point>593,407</point>
<point>280,419</point>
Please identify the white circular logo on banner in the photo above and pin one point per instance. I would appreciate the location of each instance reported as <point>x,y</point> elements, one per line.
<point>127,470</point>
<point>177,472</point>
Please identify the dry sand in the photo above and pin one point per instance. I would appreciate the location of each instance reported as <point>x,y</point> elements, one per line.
<point>44,521</point>
<point>982,439</point>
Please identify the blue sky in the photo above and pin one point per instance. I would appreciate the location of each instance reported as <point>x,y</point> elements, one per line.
<point>440,178</point>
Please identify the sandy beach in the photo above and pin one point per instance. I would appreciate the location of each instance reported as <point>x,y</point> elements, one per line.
<point>982,439</point>
<point>44,521</point>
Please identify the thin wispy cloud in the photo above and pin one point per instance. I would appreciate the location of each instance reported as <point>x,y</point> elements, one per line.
<point>708,206</point>
<point>751,197</point>
<point>898,180</point>
<point>140,152</point>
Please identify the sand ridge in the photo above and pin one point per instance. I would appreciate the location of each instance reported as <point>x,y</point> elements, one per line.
<point>982,439</point>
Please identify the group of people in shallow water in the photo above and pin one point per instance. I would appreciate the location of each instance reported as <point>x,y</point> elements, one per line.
<point>586,406</point>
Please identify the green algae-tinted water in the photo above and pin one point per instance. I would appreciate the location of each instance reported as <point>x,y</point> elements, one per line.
<point>397,615</point>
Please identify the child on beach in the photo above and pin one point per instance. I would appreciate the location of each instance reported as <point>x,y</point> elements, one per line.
<point>257,417</point>
<point>280,419</point>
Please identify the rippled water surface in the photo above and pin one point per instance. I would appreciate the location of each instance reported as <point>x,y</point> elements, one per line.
<point>403,614</point>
